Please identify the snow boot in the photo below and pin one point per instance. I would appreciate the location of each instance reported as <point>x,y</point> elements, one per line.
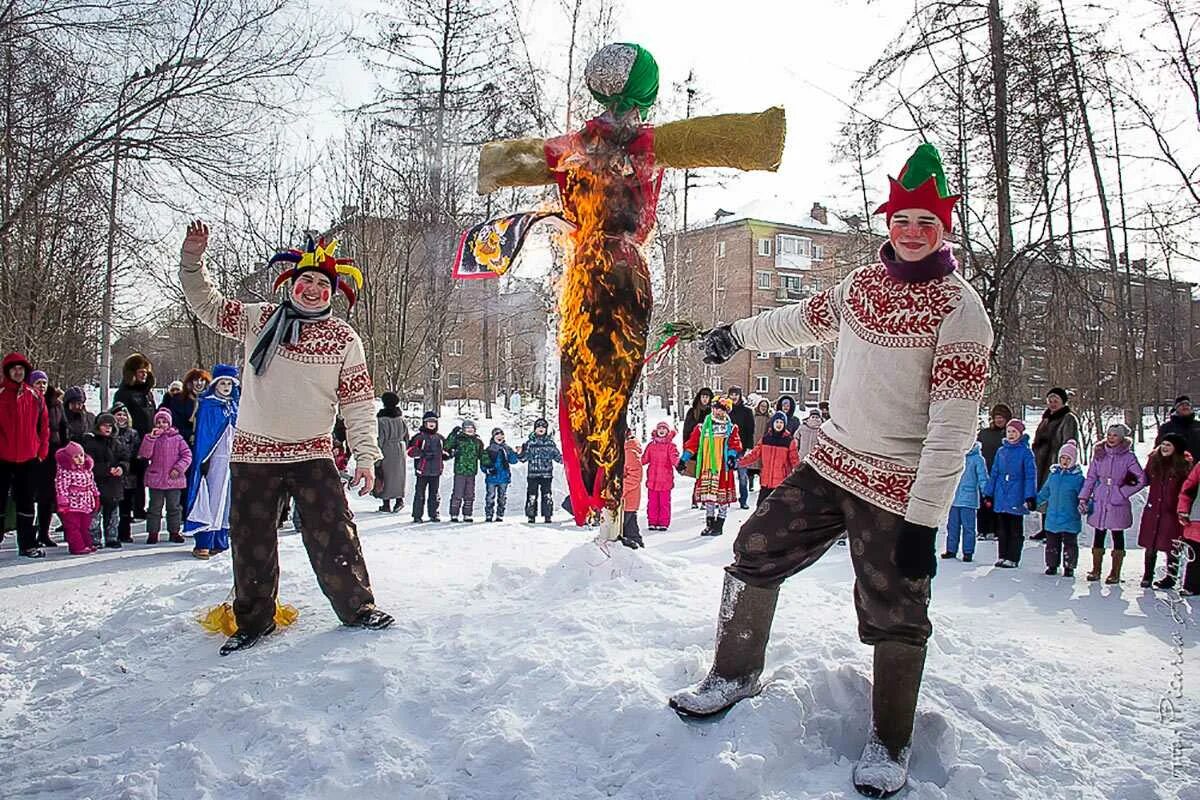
<point>718,526</point>
<point>1165,583</point>
<point>632,541</point>
<point>244,641</point>
<point>468,519</point>
<point>386,507</point>
<point>151,538</point>
<point>1114,575</point>
<point>743,627</point>
<point>1097,563</point>
<point>487,519</point>
<point>453,518</point>
<point>33,552</point>
<point>548,519</point>
<point>177,538</point>
<point>882,771</point>
<point>532,520</point>
<point>372,619</point>
<point>709,524</point>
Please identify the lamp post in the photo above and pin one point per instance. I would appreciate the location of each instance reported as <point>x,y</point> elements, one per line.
<point>110,264</point>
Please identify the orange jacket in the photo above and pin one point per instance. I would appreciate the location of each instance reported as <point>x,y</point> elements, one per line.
<point>632,488</point>
<point>777,461</point>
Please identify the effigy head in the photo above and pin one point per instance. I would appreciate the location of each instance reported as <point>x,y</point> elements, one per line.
<point>920,207</point>
<point>623,77</point>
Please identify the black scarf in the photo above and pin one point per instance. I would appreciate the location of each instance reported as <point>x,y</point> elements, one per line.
<point>283,327</point>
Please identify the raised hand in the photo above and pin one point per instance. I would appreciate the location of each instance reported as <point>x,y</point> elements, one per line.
<point>195,242</point>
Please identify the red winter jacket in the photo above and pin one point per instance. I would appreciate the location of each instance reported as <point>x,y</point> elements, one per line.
<point>778,461</point>
<point>24,421</point>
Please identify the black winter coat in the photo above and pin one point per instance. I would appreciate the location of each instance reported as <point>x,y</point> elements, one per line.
<point>79,425</point>
<point>743,416</point>
<point>1053,432</point>
<point>428,451</point>
<point>990,439</point>
<point>1188,428</point>
<point>106,453</point>
<point>130,442</point>
<point>183,415</point>
<point>139,399</point>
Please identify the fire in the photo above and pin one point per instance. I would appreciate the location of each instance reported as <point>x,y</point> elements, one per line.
<point>605,316</point>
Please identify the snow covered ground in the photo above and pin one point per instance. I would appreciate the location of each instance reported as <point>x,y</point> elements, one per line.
<point>525,664</point>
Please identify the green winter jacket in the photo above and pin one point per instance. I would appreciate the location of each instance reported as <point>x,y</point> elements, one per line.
<point>467,452</point>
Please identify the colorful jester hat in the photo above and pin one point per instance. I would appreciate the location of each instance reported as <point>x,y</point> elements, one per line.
<point>922,184</point>
<point>319,257</point>
<point>623,77</point>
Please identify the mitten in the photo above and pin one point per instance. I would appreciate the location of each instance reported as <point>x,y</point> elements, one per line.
<point>916,551</point>
<point>681,466</point>
<point>1031,503</point>
<point>719,345</point>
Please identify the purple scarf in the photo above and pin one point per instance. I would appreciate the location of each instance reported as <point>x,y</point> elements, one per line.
<point>938,264</point>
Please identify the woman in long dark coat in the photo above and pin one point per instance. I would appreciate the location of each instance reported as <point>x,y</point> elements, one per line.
<point>1059,425</point>
<point>391,473</point>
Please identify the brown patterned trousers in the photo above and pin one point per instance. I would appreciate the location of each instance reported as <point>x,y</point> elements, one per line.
<point>258,494</point>
<point>801,519</point>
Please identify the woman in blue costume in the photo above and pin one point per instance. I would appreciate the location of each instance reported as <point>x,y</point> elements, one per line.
<point>208,484</point>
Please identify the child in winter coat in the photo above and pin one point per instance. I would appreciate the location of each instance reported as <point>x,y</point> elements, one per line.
<point>80,421</point>
<point>130,441</point>
<point>1012,492</point>
<point>1063,521</point>
<point>110,462</point>
<point>1112,479</point>
<point>659,459</point>
<point>806,433</point>
<point>77,496</point>
<point>428,451</point>
<point>964,510</point>
<point>467,451</point>
<point>497,468</point>
<point>776,453</point>
<point>631,492</point>
<point>166,476</point>
<point>540,452</point>
<point>715,446</point>
<point>1166,469</point>
<point>1188,512</point>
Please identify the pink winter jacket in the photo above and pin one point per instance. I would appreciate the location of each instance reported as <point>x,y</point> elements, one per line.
<point>75,487</point>
<point>660,458</point>
<point>165,452</point>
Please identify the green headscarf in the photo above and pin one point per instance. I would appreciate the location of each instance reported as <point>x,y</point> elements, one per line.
<point>622,77</point>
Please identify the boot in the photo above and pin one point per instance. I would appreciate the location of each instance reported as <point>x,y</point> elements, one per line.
<point>386,507</point>
<point>743,627</point>
<point>709,524</point>
<point>1114,576</point>
<point>244,641</point>
<point>177,538</point>
<point>718,526</point>
<point>883,768</point>
<point>151,538</point>
<point>1097,563</point>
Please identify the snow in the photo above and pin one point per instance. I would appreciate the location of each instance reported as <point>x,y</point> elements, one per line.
<point>527,664</point>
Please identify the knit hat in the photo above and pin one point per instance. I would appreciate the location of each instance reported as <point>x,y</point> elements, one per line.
<point>164,415</point>
<point>540,422</point>
<point>1183,398</point>
<point>780,417</point>
<point>38,375</point>
<point>665,428</point>
<point>105,419</point>
<point>1069,450</point>
<point>1018,424</point>
<point>429,415</point>
<point>1062,394</point>
<point>174,387</point>
<point>1003,410</point>
<point>816,412</point>
<point>468,424</point>
<point>497,432</point>
<point>72,449</point>
<point>390,399</point>
<point>922,184</point>
<point>74,395</point>
<point>623,76</point>
<point>1120,428</point>
<point>1176,439</point>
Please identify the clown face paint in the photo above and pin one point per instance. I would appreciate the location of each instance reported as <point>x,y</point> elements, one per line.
<point>915,234</point>
<point>222,387</point>
<point>312,291</point>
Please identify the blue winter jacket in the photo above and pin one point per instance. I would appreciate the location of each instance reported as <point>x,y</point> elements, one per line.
<point>973,480</point>
<point>1060,495</point>
<point>1013,479</point>
<point>541,453</point>
<point>496,464</point>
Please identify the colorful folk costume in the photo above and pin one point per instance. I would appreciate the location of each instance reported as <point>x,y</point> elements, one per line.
<point>608,176</point>
<point>304,366</point>
<point>715,445</point>
<point>909,328</point>
<point>207,507</point>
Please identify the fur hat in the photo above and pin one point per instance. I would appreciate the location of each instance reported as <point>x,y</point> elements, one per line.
<point>163,413</point>
<point>1001,409</point>
<point>174,387</point>
<point>1019,425</point>
<point>1061,393</point>
<point>1177,440</point>
<point>74,395</point>
<point>1119,428</point>
<point>105,419</point>
<point>133,364</point>
<point>1070,450</point>
<point>390,400</point>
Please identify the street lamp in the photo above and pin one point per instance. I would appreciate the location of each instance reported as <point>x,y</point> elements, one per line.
<point>109,268</point>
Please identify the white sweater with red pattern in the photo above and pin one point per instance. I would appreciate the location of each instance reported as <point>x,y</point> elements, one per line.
<point>287,413</point>
<point>910,370</point>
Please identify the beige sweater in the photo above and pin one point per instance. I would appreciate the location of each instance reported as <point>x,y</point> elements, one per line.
<point>287,413</point>
<point>910,370</point>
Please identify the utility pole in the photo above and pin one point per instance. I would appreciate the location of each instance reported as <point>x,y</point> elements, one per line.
<point>676,375</point>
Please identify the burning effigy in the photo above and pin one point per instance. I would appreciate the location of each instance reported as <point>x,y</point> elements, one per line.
<point>608,175</point>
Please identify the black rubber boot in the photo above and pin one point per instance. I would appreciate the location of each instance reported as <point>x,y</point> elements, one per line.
<point>743,628</point>
<point>241,640</point>
<point>373,619</point>
<point>709,524</point>
<point>882,771</point>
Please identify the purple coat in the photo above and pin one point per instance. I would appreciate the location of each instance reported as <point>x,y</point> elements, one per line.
<point>1114,476</point>
<point>165,452</point>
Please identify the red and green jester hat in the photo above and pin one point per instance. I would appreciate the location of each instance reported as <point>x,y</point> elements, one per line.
<point>920,212</point>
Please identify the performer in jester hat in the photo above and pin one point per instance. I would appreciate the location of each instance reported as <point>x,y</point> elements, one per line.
<point>909,328</point>
<point>304,366</point>
<point>608,175</point>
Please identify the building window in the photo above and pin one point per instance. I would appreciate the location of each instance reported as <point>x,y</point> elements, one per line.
<point>720,249</point>
<point>792,283</point>
<point>762,355</point>
<point>814,385</point>
<point>789,385</point>
<point>762,384</point>
<point>818,252</point>
<point>814,353</point>
<point>795,246</point>
<point>718,383</point>
<point>454,380</point>
<point>764,247</point>
<point>454,347</point>
<point>764,280</point>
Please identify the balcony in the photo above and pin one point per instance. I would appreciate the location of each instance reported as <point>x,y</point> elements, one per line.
<point>786,294</point>
<point>790,363</point>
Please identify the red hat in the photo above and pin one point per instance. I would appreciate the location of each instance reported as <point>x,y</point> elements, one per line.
<point>922,184</point>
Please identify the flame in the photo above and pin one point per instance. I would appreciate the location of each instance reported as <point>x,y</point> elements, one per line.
<point>604,318</point>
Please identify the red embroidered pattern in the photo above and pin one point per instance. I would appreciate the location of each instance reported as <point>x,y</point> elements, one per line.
<point>250,448</point>
<point>890,313</point>
<point>232,319</point>
<point>323,342</point>
<point>821,316</point>
<point>354,385</point>
<point>882,483</point>
<point>960,372</point>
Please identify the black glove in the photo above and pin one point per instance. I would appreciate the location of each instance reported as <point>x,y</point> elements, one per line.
<point>1031,503</point>
<point>731,462</point>
<point>681,466</point>
<point>916,551</point>
<point>719,345</point>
